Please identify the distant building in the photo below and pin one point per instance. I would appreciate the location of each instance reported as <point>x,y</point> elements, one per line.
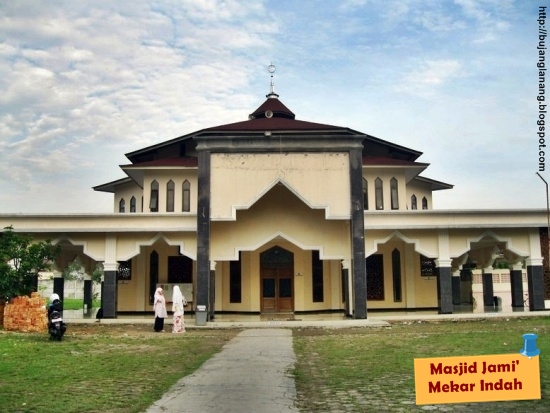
<point>276,214</point>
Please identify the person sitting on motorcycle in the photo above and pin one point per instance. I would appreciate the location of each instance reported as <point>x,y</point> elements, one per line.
<point>55,305</point>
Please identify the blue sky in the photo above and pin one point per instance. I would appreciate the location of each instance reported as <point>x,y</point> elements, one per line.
<point>85,82</point>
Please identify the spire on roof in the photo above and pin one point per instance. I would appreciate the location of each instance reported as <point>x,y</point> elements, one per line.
<point>272,94</point>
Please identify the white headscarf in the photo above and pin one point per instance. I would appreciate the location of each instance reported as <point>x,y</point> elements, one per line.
<point>157,296</point>
<point>177,299</point>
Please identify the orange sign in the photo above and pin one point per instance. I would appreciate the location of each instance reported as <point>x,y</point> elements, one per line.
<point>476,379</point>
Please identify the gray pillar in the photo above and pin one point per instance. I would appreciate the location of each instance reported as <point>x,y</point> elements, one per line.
<point>516,283</point>
<point>59,287</point>
<point>466,276</point>
<point>346,288</point>
<point>203,231</point>
<point>109,294</point>
<point>212,290</point>
<point>88,294</point>
<point>359,270</point>
<point>457,298</point>
<point>444,290</point>
<point>487,282</point>
<point>535,287</point>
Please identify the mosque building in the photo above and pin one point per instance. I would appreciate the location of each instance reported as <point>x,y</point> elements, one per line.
<point>274,214</point>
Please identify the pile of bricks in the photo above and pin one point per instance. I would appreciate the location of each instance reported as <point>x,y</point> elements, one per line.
<point>26,314</point>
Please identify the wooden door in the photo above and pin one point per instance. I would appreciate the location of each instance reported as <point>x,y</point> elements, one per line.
<point>277,280</point>
<point>277,290</point>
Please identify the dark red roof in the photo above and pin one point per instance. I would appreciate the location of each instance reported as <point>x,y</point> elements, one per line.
<point>275,106</point>
<point>271,124</point>
<point>273,115</point>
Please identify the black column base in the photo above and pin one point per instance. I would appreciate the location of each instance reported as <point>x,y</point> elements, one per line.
<point>444,290</point>
<point>88,299</point>
<point>59,287</point>
<point>109,294</point>
<point>457,298</point>
<point>488,293</point>
<point>535,287</point>
<point>516,283</point>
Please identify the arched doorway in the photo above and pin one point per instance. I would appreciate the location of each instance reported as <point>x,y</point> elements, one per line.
<point>277,280</point>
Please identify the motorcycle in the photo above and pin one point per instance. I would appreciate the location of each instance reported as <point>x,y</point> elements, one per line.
<point>56,326</point>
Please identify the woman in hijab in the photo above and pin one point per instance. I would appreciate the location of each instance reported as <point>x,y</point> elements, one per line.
<point>178,302</point>
<point>159,305</point>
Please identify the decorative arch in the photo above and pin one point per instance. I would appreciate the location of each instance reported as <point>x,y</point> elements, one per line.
<point>272,237</point>
<point>153,240</point>
<point>400,236</point>
<point>83,244</point>
<point>488,234</point>
<point>281,181</point>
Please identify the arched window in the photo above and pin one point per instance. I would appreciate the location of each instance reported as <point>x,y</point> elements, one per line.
<point>424,203</point>
<point>186,202</point>
<point>154,202</point>
<point>379,193</point>
<point>170,196</point>
<point>133,204</point>
<point>122,205</point>
<point>394,194</point>
<point>413,202</point>
<point>365,194</point>
<point>396,273</point>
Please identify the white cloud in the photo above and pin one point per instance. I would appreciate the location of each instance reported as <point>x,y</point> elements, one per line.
<point>438,21</point>
<point>78,81</point>
<point>491,17</point>
<point>85,82</point>
<point>429,76</point>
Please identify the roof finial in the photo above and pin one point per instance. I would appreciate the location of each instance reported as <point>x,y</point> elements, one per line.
<point>272,94</point>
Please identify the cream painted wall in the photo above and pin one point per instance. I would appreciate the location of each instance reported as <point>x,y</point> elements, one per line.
<point>425,287</point>
<point>421,190</point>
<point>178,176</point>
<point>280,214</point>
<point>417,291</point>
<point>129,244</point>
<point>320,179</point>
<point>127,191</point>
<point>385,174</point>
<point>516,239</point>
<point>303,296</point>
<point>388,302</point>
<point>424,241</point>
<point>134,294</point>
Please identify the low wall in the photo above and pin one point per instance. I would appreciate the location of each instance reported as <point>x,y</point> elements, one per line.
<point>501,287</point>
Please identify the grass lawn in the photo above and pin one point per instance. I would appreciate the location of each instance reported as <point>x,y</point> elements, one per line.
<point>125,368</point>
<point>78,304</point>
<point>98,368</point>
<point>372,369</point>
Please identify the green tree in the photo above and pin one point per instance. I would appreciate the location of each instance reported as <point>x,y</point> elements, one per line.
<point>21,259</point>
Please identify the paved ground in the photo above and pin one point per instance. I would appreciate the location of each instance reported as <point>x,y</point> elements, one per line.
<point>250,374</point>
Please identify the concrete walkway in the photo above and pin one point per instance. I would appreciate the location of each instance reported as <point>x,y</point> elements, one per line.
<point>250,374</point>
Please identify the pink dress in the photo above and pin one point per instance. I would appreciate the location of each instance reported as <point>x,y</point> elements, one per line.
<point>178,303</point>
<point>179,323</point>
